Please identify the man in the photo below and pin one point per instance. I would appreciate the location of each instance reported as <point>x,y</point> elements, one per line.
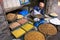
<point>39,9</point>
<point>39,14</point>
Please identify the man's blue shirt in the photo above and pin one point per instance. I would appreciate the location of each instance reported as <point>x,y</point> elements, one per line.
<point>39,10</point>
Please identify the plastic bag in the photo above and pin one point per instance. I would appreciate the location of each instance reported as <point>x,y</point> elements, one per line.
<point>10,5</point>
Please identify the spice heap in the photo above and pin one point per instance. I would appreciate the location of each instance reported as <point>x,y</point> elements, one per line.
<point>48,29</point>
<point>34,35</point>
<point>11,17</point>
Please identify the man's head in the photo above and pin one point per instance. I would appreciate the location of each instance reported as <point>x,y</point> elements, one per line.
<point>41,5</point>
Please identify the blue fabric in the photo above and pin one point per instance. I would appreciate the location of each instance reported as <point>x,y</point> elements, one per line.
<point>38,9</point>
<point>23,12</point>
<point>36,24</point>
<point>42,21</point>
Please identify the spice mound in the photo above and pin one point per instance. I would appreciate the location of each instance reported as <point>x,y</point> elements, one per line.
<point>34,35</point>
<point>48,29</point>
<point>11,17</point>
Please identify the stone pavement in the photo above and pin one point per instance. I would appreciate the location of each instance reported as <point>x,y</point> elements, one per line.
<point>4,29</point>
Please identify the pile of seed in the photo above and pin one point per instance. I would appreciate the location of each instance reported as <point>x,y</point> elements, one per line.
<point>34,35</point>
<point>48,29</point>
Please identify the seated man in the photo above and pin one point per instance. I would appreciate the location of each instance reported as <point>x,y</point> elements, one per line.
<point>38,11</point>
<point>39,8</point>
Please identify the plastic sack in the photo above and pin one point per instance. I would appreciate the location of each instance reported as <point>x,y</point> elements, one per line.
<point>10,5</point>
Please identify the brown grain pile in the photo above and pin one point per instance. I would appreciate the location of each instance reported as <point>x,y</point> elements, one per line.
<point>34,35</point>
<point>11,17</point>
<point>48,29</point>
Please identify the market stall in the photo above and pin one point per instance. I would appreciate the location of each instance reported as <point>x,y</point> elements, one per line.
<point>29,20</point>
